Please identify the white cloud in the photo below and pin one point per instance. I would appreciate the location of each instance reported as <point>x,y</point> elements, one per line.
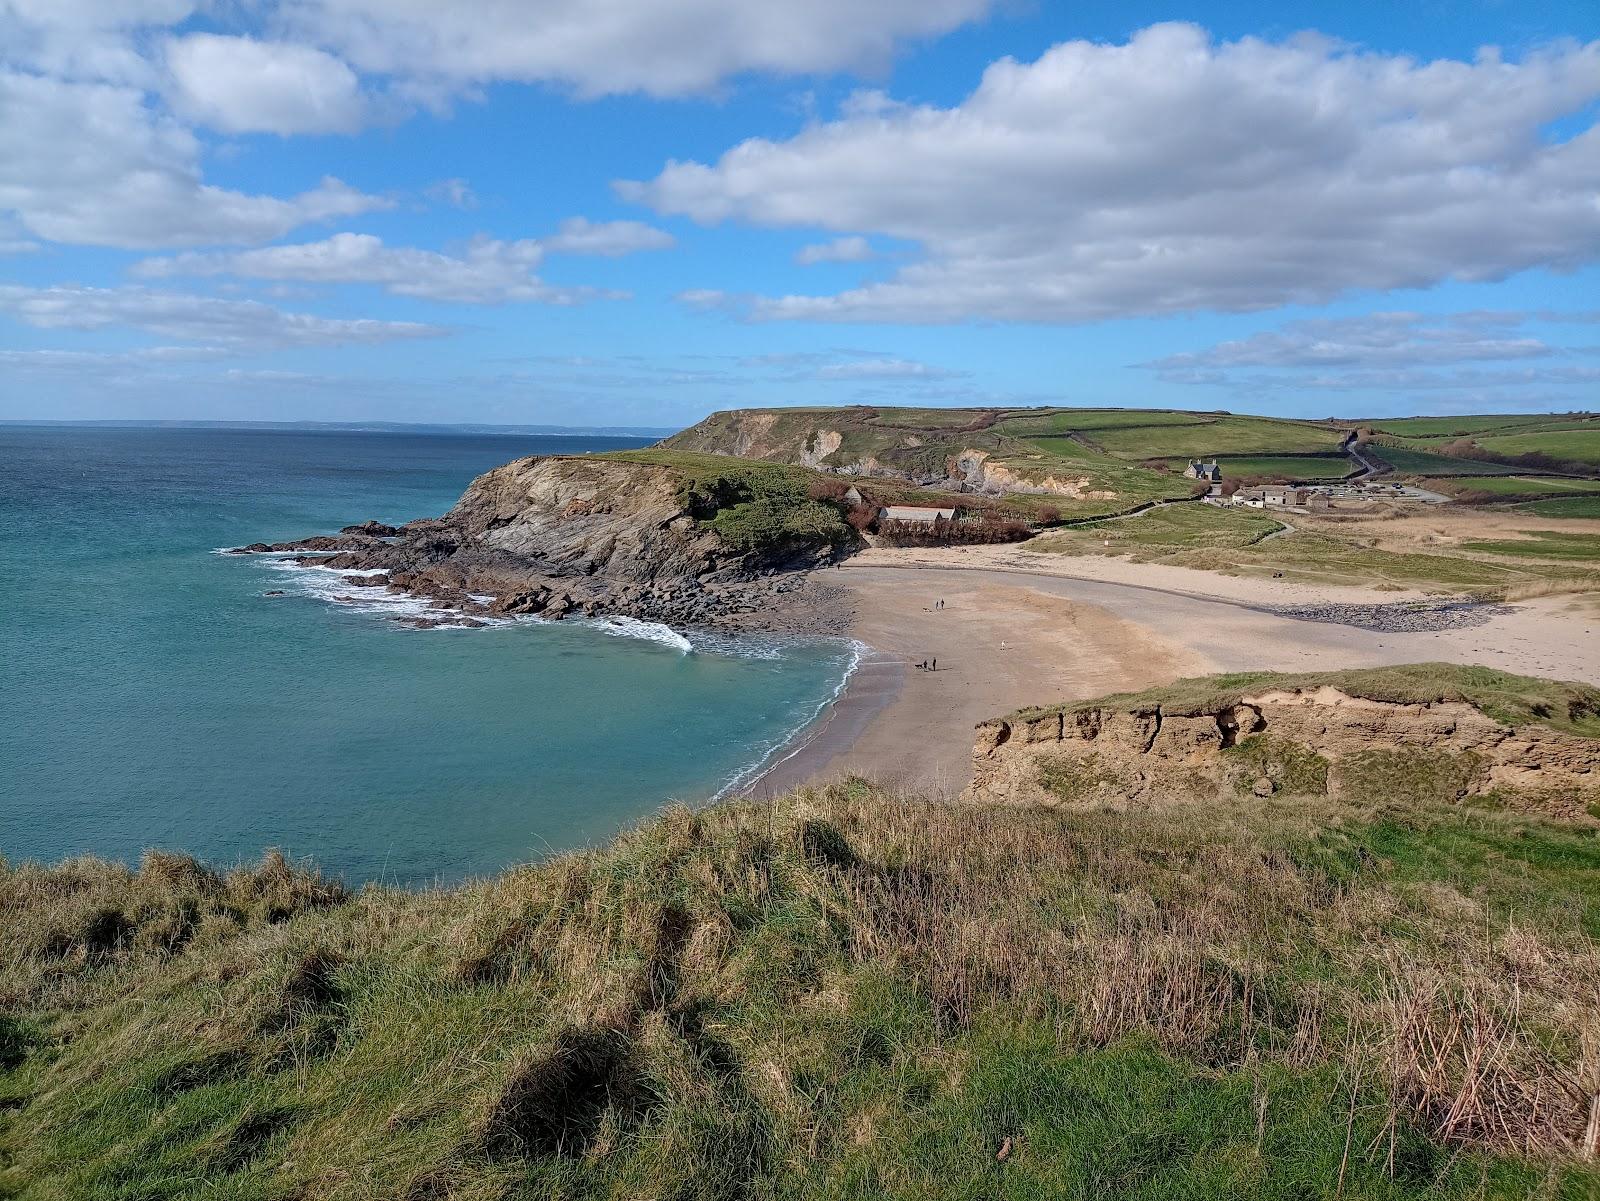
<point>89,163</point>
<point>486,272</point>
<point>1172,174</point>
<point>598,47</point>
<point>205,320</point>
<point>241,85</point>
<point>611,239</point>
<point>852,249</point>
<point>85,39</point>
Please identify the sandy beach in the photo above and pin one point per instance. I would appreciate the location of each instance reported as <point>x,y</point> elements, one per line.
<point>1019,629</point>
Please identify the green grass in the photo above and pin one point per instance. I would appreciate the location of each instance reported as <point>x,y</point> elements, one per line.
<point>845,994</point>
<point>1068,421</point>
<point>1224,436</point>
<point>1292,467</point>
<point>1408,461</point>
<point>1160,531</point>
<point>1543,544</point>
<point>1519,486</point>
<point>754,506</point>
<point>1445,427</point>
<point>1569,445</point>
<point>1232,541</point>
<point>1579,506</point>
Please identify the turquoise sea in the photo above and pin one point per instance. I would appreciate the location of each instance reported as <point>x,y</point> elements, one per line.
<point>152,696</point>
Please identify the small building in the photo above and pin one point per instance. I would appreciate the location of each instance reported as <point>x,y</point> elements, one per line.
<point>1209,472</point>
<point>853,495</point>
<point>917,514</point>
<point>1273,496</point>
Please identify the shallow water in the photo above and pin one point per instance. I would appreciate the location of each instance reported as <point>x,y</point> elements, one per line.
<point>151,695</point>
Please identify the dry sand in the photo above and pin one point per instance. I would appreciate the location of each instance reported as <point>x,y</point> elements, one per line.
<point>1022,629</point>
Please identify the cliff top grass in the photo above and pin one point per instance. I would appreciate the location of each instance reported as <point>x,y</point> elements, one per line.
<point>1235,541</point>
<point>840,994</point>
<point>1510,699</point>
<point>1110,448</point>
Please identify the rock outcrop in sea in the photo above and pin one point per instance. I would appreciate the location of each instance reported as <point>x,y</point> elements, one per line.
<point>563,536</point>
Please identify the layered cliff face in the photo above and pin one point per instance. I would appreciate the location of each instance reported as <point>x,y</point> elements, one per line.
<point>1303,737</point>
<point>583,534</point>
<point>956,449</point>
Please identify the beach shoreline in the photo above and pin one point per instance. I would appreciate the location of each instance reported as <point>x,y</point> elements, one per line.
<point>1009,635</point>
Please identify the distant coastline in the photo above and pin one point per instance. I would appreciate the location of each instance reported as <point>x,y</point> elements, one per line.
<point>359,427</point>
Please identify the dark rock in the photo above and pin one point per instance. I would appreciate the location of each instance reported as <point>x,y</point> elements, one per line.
<point>372,529</point>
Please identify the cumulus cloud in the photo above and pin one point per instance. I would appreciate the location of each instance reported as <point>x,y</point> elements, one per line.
<point>98,97</point>
<point>85,39</point>
<point>596,47</point>
<point>90,163</point>
<point>486,272</point>
<point>203,320</point>
<point>852,249</point>
<point>1173,173</point>
<point>241,85</point>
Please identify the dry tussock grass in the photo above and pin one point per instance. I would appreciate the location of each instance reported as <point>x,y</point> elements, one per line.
<point>1214,931</point>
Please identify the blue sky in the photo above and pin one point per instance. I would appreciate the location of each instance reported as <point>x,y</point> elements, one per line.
<point>625,213</point>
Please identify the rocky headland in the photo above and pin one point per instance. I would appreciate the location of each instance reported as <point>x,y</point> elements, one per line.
<point>564,536</point>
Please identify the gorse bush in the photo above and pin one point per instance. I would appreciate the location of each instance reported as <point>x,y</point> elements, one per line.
<point>844,993</point>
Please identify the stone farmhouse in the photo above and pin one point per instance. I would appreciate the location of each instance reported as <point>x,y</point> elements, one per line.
<point>1209,472</point>
<point>1282,496</point>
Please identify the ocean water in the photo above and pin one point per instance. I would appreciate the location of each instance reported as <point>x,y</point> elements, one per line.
<point>152,696</point>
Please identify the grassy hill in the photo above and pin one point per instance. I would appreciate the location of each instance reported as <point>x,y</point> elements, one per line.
<point>1095,461</point>
<point>842,994</point>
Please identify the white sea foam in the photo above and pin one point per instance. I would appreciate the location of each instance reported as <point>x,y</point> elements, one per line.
<point>650,631</point>
<point>332,585</point>
<point>795,741</point>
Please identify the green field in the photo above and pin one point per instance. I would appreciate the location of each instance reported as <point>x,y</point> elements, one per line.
<point>1570,445</point>
<point>1407,461</point>
<point>1234,542</point>
<point>1577,506</point>
<point>1071,420</point>
<point>1535,485</point>
<point>1521,486</point>
<point>1543,544</point>
<point>1292,467</point>
<point>1156,532</point>
<point>1224,436</point>
<point>1091,459</point>
<point>1446,427</point>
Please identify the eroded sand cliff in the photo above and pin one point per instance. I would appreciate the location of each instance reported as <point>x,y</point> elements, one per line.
<point>1286,740</point>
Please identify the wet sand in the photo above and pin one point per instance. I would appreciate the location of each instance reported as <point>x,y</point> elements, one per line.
<point>1009,637</point>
